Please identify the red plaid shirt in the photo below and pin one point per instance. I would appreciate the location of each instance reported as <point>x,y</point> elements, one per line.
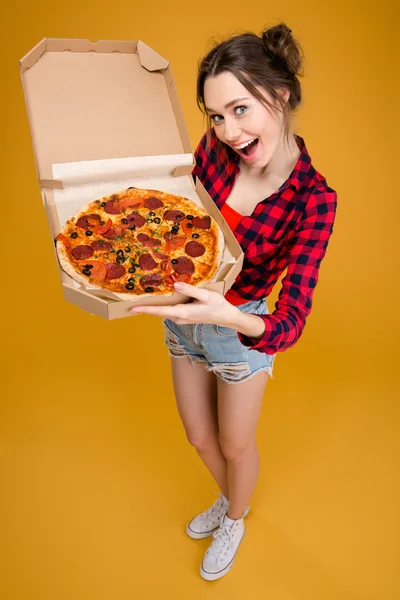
<point>289,229</point>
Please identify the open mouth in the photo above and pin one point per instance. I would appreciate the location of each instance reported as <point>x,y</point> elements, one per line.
<point>248,150</point>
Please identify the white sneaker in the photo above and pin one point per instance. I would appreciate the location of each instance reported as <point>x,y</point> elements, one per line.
<point>207,522</point>
<point>221,554</point>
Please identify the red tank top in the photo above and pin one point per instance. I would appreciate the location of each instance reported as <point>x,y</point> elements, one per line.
<point>233,219</point>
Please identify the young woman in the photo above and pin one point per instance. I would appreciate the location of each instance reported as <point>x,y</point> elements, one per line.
<point>281,210</point>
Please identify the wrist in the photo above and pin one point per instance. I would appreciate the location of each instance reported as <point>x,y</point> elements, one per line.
<point>251,326</point>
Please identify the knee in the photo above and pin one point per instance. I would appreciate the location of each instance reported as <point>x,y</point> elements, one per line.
<point>201,440</point>
<point>235,450</point>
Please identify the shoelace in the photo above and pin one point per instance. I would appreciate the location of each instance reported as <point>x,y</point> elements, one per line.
<point>222,537</point>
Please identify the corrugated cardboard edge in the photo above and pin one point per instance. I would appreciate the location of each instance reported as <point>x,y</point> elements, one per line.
<point>78,45</point>
<point>149,58</point>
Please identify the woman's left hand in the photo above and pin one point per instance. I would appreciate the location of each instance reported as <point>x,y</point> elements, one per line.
<point>209,307</point>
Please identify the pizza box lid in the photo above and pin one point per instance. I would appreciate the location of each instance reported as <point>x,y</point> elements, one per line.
<point>96,100</point>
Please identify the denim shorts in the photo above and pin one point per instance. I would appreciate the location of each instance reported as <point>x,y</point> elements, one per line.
<point>219,348</point>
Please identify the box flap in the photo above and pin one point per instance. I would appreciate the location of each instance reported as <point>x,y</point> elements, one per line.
<point>149,59</point>
<point>105,99</point>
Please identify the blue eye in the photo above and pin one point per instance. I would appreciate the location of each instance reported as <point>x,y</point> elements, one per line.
<point>240,110</point>
<point>216,119</point>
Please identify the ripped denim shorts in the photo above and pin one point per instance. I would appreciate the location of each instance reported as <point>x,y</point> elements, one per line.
<point>219,348</point>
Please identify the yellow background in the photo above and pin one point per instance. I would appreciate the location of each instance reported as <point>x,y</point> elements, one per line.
<point>97,478</point>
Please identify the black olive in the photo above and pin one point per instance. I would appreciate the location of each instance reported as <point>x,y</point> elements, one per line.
<point>86,271</point>
<point>127,249</point>
<point>176,225</point>
<point>135,265</point>
<point>129,286</point>
<point>174,230</point>
<point>121,252</point>
<point>88,266</point>
<point>74,235</point>
<point>124,221</point>
<point>88,232</point>
<point>132,228</point>
<point>189,225</point>
<point>149,289</point>
<point>157,220</point>
<point>112,251</point>
<point>132,270</point>
<point>151,214</point>
<point>195,235</point>
<point>103,203</point>
<point>132,188</point>
<point>120,259</point>
<point>149,220</point>
<point>130,280</point>
<point>174,261</point>
<point>189,216</point>
<point>102,222</point>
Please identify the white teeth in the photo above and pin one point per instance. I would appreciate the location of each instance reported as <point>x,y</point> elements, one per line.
<point>245,144</point>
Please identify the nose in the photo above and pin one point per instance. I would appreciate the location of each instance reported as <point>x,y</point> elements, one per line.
<point>231,130</point>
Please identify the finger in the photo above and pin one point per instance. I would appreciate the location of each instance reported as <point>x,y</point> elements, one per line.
<point>167,312</point>
<point>194,292</point>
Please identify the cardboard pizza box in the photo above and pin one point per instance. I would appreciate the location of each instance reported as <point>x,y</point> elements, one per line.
<point>102,113</point>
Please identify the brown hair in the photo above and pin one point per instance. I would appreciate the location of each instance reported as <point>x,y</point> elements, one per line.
<point>271,61</point>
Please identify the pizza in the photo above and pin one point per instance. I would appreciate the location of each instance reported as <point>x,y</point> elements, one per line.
<point>138,243</point>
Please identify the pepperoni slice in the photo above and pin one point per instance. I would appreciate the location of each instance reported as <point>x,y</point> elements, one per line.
<point>82,252</point>
<point>194,249</point>
<point>153,279</point>
<point>101,245</point>
<point>146,240</point>
<point>84,223</point>
<point>147,262</point>
<point>184,266</point>
<point>114,271</point>
<point>112,207</point>
<point>153,203</point>
<point>98,272</point>
<point>102,229</point>
<point>160,255</point>
<point>174,215</point>
<point>202,222</point>
<point>136,220</point>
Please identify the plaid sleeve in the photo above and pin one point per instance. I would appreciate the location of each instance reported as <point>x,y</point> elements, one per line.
<point>285,325</point>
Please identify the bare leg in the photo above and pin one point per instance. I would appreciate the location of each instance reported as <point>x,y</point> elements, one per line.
<point>239,407</point>
<point>197,407</point>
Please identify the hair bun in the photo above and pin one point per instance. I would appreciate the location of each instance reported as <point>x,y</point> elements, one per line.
<point>280,45</point>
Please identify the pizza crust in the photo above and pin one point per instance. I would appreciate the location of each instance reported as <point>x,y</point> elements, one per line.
<point>68,268</point>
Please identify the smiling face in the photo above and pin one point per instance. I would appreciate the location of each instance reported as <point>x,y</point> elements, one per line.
<point>242,121</point>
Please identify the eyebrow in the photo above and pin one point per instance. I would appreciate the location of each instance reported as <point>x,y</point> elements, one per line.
<point>229,104</point>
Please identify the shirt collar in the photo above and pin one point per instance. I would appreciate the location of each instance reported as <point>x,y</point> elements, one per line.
<point>301,169</point>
